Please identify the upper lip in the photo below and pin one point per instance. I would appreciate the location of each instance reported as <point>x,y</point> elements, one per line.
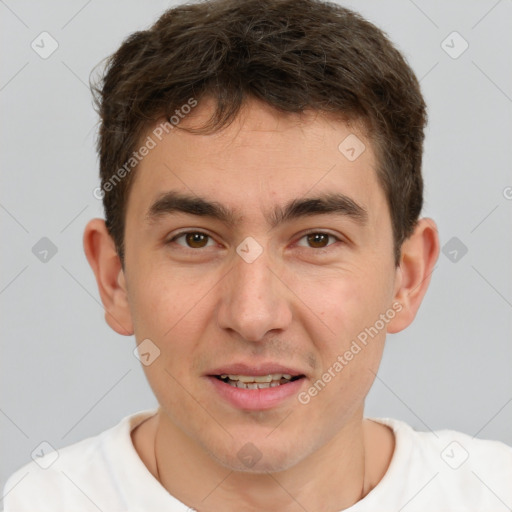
<point>254,370</point>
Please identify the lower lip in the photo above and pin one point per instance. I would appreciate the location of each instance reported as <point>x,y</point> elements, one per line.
<point>256,399</point>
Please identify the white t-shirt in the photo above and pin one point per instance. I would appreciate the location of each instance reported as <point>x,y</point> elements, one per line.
<point>429,472</point>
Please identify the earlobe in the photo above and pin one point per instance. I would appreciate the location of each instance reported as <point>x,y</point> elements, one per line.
<point>102,256</point>
<point>418,257</point>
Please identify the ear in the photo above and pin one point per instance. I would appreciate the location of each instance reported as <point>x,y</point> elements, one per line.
<point>102,255</point>
<point>419,254</point>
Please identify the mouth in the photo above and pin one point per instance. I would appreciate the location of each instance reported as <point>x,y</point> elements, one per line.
<point>272,380</point>
<point>253,388</point>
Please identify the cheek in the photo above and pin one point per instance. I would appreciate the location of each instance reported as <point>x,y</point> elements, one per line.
<point>173,310</point>
<point>352,340</point>
<point>165,301</point>
<point>169,311</point>
<point>346,302</point>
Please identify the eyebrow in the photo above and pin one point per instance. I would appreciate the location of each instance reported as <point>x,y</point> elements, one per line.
<point>176,202</point>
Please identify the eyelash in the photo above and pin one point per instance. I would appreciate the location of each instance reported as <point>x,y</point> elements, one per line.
<point>184,233</point>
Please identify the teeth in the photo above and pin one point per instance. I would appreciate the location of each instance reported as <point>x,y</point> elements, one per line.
<point>258,379</point>
<point>253,385</point>
<point>256,382</point>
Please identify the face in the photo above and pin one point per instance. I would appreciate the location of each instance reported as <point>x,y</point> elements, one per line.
<point>250,283</point>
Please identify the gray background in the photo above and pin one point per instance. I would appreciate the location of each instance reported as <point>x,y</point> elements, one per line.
<point>66,376</point>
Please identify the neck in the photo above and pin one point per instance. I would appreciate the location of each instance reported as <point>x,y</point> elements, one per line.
<point>334,477</point>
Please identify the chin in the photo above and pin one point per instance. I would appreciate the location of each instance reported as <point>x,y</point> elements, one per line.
<point>268,458</point>
<point>263,466</point>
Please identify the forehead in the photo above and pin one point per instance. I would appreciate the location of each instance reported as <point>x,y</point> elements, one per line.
<point>262,159</point>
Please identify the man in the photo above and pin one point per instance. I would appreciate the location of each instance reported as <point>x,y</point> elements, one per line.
<point>260,168</point>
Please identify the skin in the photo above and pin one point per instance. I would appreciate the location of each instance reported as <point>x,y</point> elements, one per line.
<point>297,304</point>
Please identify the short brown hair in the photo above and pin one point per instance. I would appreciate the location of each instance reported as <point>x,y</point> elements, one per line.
<point>291,54</point>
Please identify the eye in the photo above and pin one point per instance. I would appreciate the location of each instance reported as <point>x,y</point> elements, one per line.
<point>193,239</point>
<point>318,240</point>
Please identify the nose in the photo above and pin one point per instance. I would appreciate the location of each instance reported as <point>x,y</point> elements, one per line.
<point>254,301</point>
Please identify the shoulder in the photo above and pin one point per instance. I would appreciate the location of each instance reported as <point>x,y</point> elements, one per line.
<point>457,450</point>
<point>449,468</point>
<point>76,476</point>
<point>449,444</point>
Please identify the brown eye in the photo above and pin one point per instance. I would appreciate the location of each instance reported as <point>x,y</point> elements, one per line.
<point>193,239</point>
<point>318,240</point>
<point>196,240</point>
